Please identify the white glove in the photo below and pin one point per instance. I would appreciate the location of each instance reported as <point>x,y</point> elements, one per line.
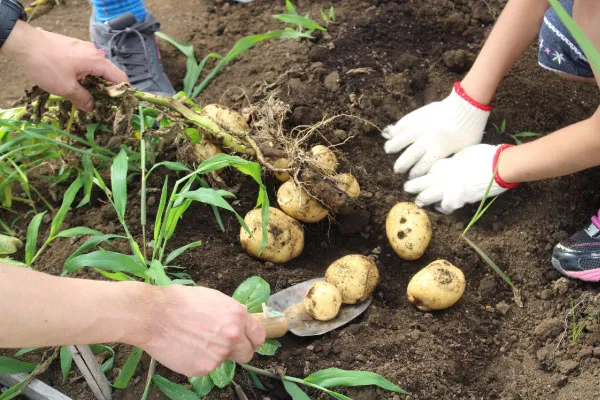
<point>436,131</point>
<point>453,182</point>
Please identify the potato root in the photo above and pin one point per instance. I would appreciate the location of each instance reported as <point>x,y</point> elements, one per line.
<point>298,204</point>
<point>285,236</point>
<point>436,287</point>
<point>356,277</point>
<point>323,301</point>
<point>408,230</point>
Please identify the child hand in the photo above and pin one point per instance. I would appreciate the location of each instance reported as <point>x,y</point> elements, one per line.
<point>436,131</point>
<point>453,182</point>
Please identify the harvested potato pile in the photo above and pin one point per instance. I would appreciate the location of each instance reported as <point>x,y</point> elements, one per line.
<point>356,277</point>
<point>285,236</point>
<point>323,301</point>
<point>437,286</point>
<point>408,230</point>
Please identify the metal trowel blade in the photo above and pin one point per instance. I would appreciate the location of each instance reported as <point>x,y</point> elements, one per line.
<point>290,302</point>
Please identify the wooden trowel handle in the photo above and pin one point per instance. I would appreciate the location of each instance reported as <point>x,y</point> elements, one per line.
<point>275,327</point>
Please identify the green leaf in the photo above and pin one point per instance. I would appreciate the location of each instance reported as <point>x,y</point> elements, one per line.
<point>503,126</point>
<point>78,231</point>
<point>202,386</point>
<point>87,179</point>
<point>256,380</point>
<point>128,369</point>
<point>526,134</point>
<point>324,16</point>
<point>173,166</point>
<point>253,292</point>
<point>25,351</point>
<point>118,178</point>
<point>269,347</point>
<point>290,7</point>
<point>192,68</point>
<point>294,390</point>
<point>332,13</point>
<point>223,375</point>
<point>333,377</point>
<point>15,390</point>
<point>172,390</point>
<point>9,245</point>
<point>14,263</point>
<point>11,366</point>
<point>93,241</point>
<point>107,365</point>
<point>66,361</point>
<point>108,261</point>
<point>194,135</point>
<point>177,252</point>
<point>68,199</point>
<point>115,276</point>
<point>586,45</point>
<point>157,273</point>
<point>161,210</point>
<point>32,237</point>
<point>299,21</point>
<point>214,198</point>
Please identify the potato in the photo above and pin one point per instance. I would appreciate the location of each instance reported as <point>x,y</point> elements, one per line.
<point>205,150</point>
<point>355,275</point>
<point>229,120</point>
<point>298,204</point>
<point>408,230</point>
<point>437,286</point>
<point>348,184</point>
<point>282,163</point>
<point>324,158</point>
<point>323,301</point>
<point>285,236</point>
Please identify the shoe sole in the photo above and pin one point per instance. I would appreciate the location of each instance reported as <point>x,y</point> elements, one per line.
<point>592,275</point>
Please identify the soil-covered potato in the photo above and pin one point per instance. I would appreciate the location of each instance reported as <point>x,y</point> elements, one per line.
<point>285,236</point>
<point>437,286</point>
<point>348,183</point>
<point>323,301</point>
<point>205,150</point>
<point>324,158</point>
<point>408,230</point>
<point>298,204</point>
<point>282,163</point>
<point>356,277</point>
<point>226,118</point>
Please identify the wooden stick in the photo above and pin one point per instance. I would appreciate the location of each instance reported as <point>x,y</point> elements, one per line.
<point>90,369</point>
<point>36,390</point>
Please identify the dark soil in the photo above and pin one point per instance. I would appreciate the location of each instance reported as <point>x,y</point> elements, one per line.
<point>380,60</point>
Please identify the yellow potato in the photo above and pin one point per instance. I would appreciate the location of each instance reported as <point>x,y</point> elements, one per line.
<point>324,158</point>
<point>298,204</point>
<point>323,301</point>
<point>285,236</point>
<point>408,230</point>
<point>356,277</point>
<point>205,150</point>
<point>437,286</point>
<point>282,163</point>
<point>348,183</point>
<point>227,119</point>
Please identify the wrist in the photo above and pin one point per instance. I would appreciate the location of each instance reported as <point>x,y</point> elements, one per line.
<point>478,90</point>
<point>460,91</point>
<point>143,303</point>
<point>19,40</point>
<point>502,172</point>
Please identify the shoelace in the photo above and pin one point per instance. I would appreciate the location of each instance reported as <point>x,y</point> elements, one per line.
<point>596,219</point>
<point>136,64</point>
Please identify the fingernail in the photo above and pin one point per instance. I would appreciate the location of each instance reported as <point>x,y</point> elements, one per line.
<point>89,107</point>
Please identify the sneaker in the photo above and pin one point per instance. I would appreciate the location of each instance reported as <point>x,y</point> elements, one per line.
<point>579,256</point>
<point>132,46</point>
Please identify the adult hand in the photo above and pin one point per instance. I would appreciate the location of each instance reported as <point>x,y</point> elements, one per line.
<point>57,63</point>
<point>195,329</point>
<point>453,182</point>
<point>436,131</point>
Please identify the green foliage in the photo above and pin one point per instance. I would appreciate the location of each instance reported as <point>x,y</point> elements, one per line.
<point>9,245</point>
<point>66,361</point>
<point>11,366</point>
<point>253,293</point>
<point>172,390</point>
<point>518,136</point>
<point>129,368</point>
<point>294,391</point>
<point>334,377</point>
<point>202,386</point>
<point>269,347</point>
<point>223,374</point>
<point>32,237</point>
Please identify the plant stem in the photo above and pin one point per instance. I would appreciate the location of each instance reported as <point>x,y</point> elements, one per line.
<point>262,372</point>
<point>151,371</point>
<point>71,119</point>
<point>143,177</point>
<point>40,251</point>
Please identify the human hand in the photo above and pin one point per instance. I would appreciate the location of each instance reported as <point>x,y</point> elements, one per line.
<point>436,131</point>
<point>453,182</point>
<point>194,329</point>
<point>57,63</point>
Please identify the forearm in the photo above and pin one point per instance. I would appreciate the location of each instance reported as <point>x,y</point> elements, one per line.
<point>516,28</point>
<point>569,150</point>
<point>43,310</point>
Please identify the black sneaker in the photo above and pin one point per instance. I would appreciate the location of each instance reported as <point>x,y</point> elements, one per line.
<point>131,46</point>
<point>579,256</point>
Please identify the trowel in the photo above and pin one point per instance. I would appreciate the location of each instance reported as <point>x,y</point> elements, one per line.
<point>285,312</point>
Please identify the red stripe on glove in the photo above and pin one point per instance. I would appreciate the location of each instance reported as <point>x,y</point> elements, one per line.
<point>461,92</point>
<point>500,181</point>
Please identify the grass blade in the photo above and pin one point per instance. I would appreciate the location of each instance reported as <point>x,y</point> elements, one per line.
<point>161,209</point>
<point>118,176</point>
<point>129,368</point>
<point>177,252</point>
<point>32,237</point>
<point>25,351</point>
<point>294,390</point>
<point>172,390</point>
<point>68,199</point>
<point>299,21</point>
<point>156,272</point>
<point>108,261</point>
<point>107,365</point>
<point>11,366</point>
<point>78,231</point>
<point>289,6</point>
<point>333,377</point>
<point>66,361</point>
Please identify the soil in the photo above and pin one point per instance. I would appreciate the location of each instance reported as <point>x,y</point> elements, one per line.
<point>380,60</point>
